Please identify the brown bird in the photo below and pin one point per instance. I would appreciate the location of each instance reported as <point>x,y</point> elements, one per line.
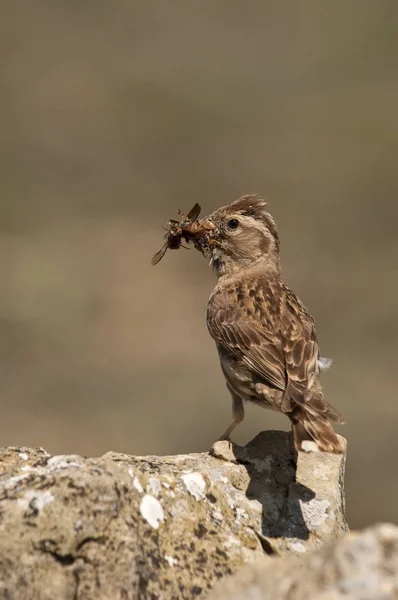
<point>265,337</point>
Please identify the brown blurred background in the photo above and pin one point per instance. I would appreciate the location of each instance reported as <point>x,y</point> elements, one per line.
<point>114,115</point>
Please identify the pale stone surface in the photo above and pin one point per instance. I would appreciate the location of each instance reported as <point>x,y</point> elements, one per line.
<point>153,527</point>
<point>359,566</point>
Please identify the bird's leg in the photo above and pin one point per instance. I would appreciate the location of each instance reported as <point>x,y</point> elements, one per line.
<point>238,413</point>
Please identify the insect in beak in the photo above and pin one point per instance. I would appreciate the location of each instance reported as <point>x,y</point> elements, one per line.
<point>188,229</point>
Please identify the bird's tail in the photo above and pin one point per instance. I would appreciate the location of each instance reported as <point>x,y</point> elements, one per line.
<point>312,430</point>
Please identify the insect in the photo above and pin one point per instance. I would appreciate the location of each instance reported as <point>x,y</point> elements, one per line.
<point>188,228</point>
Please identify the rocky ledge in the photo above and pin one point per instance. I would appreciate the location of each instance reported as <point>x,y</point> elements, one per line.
<point>359,566</point>
<point>128,527</point>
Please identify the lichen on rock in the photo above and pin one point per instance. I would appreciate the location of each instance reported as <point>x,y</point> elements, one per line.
<point>151,527</point>
<point>358,566</point>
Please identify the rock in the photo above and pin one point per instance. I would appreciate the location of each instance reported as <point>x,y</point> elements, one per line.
<point>359,566</point>
<point>159,527</point>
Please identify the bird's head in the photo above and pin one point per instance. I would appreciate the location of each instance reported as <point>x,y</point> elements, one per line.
<point>244,235</point>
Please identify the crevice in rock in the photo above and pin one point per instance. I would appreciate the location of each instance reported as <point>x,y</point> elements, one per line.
<point>265,544</point>
<point>98,540</point>
<point>63,559</point>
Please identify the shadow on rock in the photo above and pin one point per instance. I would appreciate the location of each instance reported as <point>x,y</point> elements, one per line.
<point>301,494</point>
<point>271,463</point>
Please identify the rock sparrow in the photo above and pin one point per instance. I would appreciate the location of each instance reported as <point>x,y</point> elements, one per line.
<point>265,337</point>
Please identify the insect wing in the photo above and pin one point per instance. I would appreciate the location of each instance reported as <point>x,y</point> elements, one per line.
<point>194,212</point>
<point>159,255</point>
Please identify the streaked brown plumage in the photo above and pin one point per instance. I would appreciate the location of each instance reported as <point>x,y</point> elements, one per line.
<point>265,336</point>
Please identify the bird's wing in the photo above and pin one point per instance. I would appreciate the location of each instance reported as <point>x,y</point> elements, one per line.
<point>285,359</point>
<point>258,349</point>
<point>301,351</point>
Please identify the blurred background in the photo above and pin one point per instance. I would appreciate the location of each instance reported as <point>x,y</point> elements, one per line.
<point>113,116</point>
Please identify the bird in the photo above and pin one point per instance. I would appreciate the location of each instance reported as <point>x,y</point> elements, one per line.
<point>265,337</point>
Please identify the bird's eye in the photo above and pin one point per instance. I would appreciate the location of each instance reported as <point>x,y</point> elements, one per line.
<point>233,223</point>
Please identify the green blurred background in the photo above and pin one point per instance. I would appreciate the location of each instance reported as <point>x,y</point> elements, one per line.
<point>114,115</point>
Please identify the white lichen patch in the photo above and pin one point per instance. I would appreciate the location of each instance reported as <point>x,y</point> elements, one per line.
<point>78,525</point>
<point>297,547</point>
<point>231,502</point>
<point>315,512</point>
<point>195,485</point>
<point>154,486</point>
<point>231,542</point>
<point>217,515</point>
<point>13,481</point>
<point>241,514</point>
<point>152,511</point>
<point>137,485</point>
<point>35,499</point>
<point>250,532</point>
<point>24,456</point>
<point>167,480</point>
<point>136,481</point>
<point>171,560</point>
<point>64,461</point>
